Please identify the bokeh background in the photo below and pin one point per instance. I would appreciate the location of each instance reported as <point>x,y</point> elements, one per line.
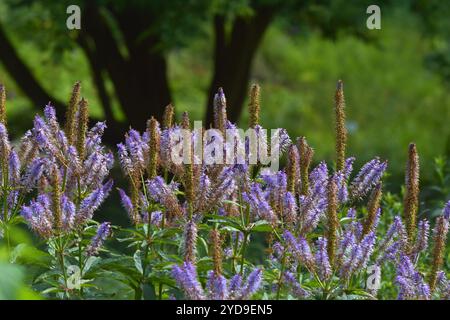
<point>134,57</point>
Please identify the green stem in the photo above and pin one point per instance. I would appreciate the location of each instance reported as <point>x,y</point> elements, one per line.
<point>244,248</point>
<point>60,253</point>
<point>160,291</point>
<point>80,260</point>
<point>283,263</point>
<point>235,252</point>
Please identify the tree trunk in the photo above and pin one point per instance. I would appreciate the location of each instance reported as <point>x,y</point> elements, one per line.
<point>233,58</point>
<point>140,77</point>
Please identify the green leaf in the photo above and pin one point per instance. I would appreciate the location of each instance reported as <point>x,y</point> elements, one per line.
<point>138,261</point>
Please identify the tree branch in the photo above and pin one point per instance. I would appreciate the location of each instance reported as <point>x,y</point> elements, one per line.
<point>233,57</point>
<point>23,76</point>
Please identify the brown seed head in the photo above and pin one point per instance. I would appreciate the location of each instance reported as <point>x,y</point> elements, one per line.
<point>411,200</point>
<point>216,252</point>
<point>70,125</point>
<point>292,169</point>
<point>83,118</point>
<point>254,106</point>
<point>341,131</point>
<point>2,104</point>
<point>154,144</point>
<point>440,237</point>
<point>372,209</point>
<point>332,219</point>
<point>168,116</point>
<point>185,122</point>
<point>220,111</point>
<point>190,242</point>
<point>56,200</point>
<point>306,154</point>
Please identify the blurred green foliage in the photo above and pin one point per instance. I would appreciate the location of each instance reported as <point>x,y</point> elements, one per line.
<point>16,259</point>
<point>392,97</point>
<point>394,94</point>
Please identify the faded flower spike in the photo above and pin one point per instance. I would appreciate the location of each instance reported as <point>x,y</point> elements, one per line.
<point>154,143</point>
<point>220,111</point>
<point>216,250</point>
<point>254,106</point>
<point>292,169</point>
<point>341,131</point>
<point>306,154</point>
<point>440,237</point>
<point>2,104</point>
<point>82,122</point>
<point>168,116</point>
<point>71,112</point>
<point>411,200</point>
<point>190,242</point>
<point>373,208</point>
<point>332,219</point>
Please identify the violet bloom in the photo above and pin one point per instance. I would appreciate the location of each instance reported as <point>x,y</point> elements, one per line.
<point>126,203</point>
<point>216,286</point>
<point>186,277</point>
<point>295,287</point>
<point>11,176</point>
<point>395,229</point>
<point>299,248</point>
<point>165,195</point>
<point>103,232</point>
<point>367,246</point>
<point>446,211</point>
<point>218,190</point>
<point>423,231</point>
<point>82,167</point>
<point>92,202</point>
<point>254,280</point>
<point>259,206</point>
<point>312,206</point>
<point>322,262</point>
<point>348,167</point>
<point>369,175</point>
<point>289,208</point>
<point>341,184</point>
<point>410,282</point>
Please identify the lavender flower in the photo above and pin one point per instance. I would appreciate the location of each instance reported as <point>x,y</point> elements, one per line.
<point>186,277</point>
<point>422,237</point>
<point>103,232</point>
<point>299,248</point>
<point>164,194</point>
<point>369,175</point>
<point>79,178</point>
<point>253,283</point>
<point>259,206</point>
<point>126,203</point>
<point>297,290</point>
<point>322,261</point>
<point>216,286</point>
<point>410,282</point>
<point>446,211</point>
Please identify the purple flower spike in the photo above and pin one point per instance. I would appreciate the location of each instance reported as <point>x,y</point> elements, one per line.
<point>253,283</point>
<point>369,175</point>
<point>103,232</point>
<point>446,211</point>
<point>217,286</point>
<point>322,261</point>
<point>297,290</point>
